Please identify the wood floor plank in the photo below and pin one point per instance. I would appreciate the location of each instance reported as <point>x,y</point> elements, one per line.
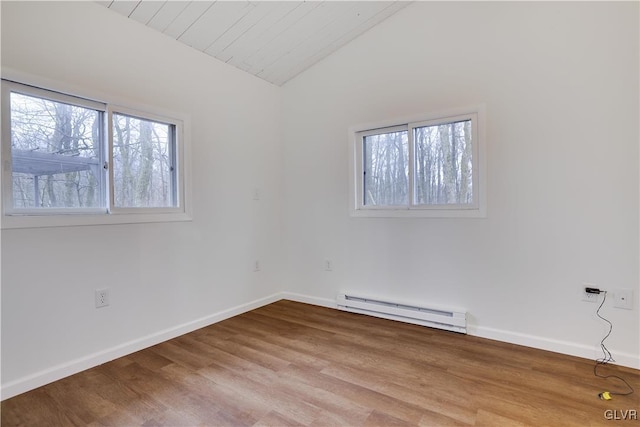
<point>362,395</point>
<point>263,394</point>
<point>489,419</point>
<point>273,418</point>
<point>430,395</point>
<point>293,364</point>
<point>32,411</point>
<point>219,395</point>
<point>81,404</point>
<point>382,419</point>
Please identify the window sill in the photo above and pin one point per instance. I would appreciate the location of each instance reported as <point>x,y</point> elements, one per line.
<point>74,220</point>
<point>418,213</point>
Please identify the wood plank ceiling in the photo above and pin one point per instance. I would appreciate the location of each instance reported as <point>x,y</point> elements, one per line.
<point>273,40</point>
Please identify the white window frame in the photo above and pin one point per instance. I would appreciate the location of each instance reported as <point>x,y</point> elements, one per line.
<point>9,87</point>
<point>108,214</point>
<point>356,135</point>
<point>178,155</point>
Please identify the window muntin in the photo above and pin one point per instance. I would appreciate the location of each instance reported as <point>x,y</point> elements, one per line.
<point>443,167</point>
<point>143,158</point>
<point>68,143</point>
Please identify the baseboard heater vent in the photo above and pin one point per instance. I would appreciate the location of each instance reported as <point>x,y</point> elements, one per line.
<point>455,321</point>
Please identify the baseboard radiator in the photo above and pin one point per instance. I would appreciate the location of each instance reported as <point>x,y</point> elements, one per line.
<point>455,321</point>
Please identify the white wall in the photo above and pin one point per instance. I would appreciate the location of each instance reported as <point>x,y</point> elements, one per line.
<point>560,84</point>
<point>161,276</point>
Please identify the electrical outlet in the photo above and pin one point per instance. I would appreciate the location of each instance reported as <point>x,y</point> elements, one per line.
<point>102,297</point>
<point>256,194</point>
<point>623,298</point>
<point>586,296</point>
<point>328,265</point>
<point>256,265</point>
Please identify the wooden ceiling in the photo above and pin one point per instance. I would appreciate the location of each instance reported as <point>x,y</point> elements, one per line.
<point>274,40</point>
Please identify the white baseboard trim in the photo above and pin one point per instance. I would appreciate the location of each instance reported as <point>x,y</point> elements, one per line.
<point>570,348</point>
<point>323,302</point>
<point>55,373</point>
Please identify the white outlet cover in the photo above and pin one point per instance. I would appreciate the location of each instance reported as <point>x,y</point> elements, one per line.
<point>623,298</point>
<point>101,297</point>
<point>587,296</point>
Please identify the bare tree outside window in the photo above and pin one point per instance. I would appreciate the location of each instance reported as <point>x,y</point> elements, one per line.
<point>386,169</point>
<point>143,163</point>
<point>444,171</point>
<point>55,154</point>
<point>431,167</point>
<point>72,160</point>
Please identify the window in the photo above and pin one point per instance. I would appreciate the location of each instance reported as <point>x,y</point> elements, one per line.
<point>430,167</point>
<point>68,155</point>
<point>143,158</point>
<point>56,153</point>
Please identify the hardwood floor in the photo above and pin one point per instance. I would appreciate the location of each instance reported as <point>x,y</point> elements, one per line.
<point>295,364</point>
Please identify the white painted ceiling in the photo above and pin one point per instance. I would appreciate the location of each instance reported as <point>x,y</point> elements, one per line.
<point>274,40</point>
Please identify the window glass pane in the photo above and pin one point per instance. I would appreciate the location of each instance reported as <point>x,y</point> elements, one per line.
<point>55,150</point>
<point>143,153</point>
<point>386,169</point>
<point>443,155</point>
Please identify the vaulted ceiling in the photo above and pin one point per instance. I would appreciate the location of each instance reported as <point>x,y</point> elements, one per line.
<point>273,40</point>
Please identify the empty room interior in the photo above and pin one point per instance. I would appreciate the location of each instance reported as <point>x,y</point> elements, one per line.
<point>320,213</point>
